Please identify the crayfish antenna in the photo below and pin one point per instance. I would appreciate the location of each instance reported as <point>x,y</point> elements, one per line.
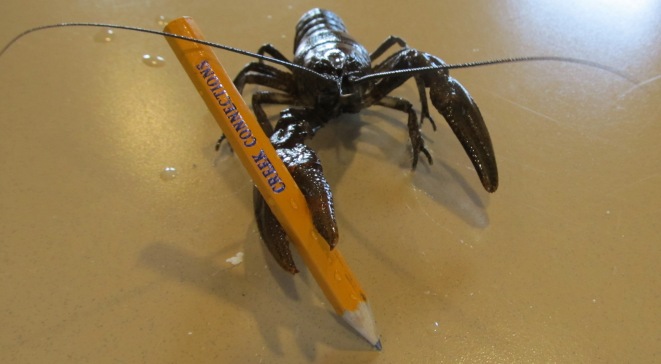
<point>164,34</point>
<point>418,70</point>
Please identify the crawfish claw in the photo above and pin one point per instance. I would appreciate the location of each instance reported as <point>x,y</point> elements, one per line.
<point>305,168</point>
<point>273,233</point>
<point>310,179</point>
<point>452,100</point>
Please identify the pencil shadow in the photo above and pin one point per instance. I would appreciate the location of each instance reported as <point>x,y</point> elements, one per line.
<point>273,309</point>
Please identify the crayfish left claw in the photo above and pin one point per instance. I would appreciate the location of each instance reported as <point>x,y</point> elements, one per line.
<point>462,114</point>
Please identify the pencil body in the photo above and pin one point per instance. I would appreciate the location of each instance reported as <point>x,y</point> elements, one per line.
<point>272,178</point>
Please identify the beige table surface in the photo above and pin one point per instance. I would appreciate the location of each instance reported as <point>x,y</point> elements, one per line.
<point>105,258</point>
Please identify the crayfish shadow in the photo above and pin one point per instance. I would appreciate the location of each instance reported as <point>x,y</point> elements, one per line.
<point>383,137</point>
<point>447,187</point>
<point>336,146</point>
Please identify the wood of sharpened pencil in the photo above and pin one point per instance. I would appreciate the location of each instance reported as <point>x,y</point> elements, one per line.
<point>281,193</point>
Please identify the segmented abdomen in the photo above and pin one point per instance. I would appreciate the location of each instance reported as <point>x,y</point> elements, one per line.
<point>317,27</point>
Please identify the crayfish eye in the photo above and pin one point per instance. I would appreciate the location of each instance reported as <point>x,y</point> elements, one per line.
<point>323,66</point>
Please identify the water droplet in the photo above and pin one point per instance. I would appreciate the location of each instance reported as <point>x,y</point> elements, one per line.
<point>235,260</point>
<point>338,276</point>
<point>293,203</point>
<point>104,36</point>
<point>168,173</point>
<point>153,61</point>
<point>162,20</point>
<point>435,328</point>
<point>269,17</point>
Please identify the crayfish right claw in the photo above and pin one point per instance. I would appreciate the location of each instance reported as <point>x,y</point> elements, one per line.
<point>273,234</point>
<point>320,201</point>
<point>306,170</point>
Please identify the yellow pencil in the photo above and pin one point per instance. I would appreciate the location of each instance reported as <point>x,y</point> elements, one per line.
<point>283,196</point>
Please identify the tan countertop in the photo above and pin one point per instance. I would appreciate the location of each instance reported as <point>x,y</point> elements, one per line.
<point>107,258</point>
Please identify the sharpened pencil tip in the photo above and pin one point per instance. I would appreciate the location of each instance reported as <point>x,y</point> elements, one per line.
<point>378,345</point>
<point>362,320</point>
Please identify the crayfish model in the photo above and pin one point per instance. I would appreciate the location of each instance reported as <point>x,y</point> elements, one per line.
<point>332,74</point>
<point>323,45</point>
